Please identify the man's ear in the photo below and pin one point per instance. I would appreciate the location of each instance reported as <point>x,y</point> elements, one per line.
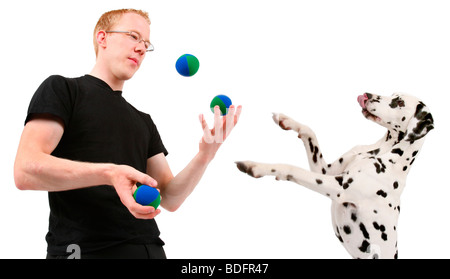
<point>101,39</point>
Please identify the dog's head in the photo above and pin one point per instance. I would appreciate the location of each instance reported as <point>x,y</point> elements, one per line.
<point>401,113</point>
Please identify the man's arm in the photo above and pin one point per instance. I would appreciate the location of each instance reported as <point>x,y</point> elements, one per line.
<point>36,169</point>
<point>175,190</point>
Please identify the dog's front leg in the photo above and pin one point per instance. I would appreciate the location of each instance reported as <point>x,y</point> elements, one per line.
<point>307,135</point>
<point>315,158</point>
<point>326,185</point>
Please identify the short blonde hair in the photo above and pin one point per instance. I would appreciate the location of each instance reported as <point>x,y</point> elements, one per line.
<point>109,19</point>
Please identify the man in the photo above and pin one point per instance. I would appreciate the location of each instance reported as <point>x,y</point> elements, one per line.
<point>88,147</point>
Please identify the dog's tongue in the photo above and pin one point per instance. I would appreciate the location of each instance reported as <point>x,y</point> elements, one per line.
<point>362,100</point>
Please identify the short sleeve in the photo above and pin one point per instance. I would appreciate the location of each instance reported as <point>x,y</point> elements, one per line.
<point>54,96</point>
<point>156,145</point>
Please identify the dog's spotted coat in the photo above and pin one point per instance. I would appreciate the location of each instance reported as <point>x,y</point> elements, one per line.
<point>364,184</point>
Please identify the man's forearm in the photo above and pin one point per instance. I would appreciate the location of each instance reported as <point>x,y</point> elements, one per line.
<point>48,173</point>
<point>182,185</point>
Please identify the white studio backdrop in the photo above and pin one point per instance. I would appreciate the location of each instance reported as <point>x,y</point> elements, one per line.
<point>307,59</point>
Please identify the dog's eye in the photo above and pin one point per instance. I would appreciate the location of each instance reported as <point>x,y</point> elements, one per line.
<point>397,102</point>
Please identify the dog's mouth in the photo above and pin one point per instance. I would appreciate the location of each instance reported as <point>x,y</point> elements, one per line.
<point>370,116</point>
<point>362,100</point>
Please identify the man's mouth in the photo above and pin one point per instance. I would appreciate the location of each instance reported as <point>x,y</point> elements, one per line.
<point>134,60</point>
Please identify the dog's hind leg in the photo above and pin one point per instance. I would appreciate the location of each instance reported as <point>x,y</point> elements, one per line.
<point>326,185</point>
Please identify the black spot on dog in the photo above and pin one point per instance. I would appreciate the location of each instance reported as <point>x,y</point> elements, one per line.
<point>423,126</point>
<point>319,181</point>
<point>341,160</point>
<point>316,150</point>
<point>397,151</point>
<point>405,168</point>
<point>395,185</point>
<point>412,161</point>
<point>382,193</point>
<point>397,102</point>
<point>311,146</point>
<point>324,171</point>
<point>364,231</point>
<point>273,170</point>
<point>289,177</point>
<point>401,136</point>
<point>415,153</point>
<point>379,168</point>
<point>364,246</point>
<point>388,136</point>
<point>374,152</point>
<point>353,217</point>
<point>376,226</point>
<point>339,179</point>
<point>347,184</point>
<point>347,230</point>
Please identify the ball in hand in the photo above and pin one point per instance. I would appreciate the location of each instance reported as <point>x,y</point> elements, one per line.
<point>147,196</point>
<point>223,102</point>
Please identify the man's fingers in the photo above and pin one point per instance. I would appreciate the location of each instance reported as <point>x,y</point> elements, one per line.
<point>237,115</point>
<point>207,136</point>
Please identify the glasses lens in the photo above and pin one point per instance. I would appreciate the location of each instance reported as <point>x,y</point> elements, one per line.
<point>135,37</point>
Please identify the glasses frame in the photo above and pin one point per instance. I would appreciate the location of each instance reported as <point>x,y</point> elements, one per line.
<point>137,40</point>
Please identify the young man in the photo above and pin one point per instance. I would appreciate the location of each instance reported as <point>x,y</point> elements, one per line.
<point>88,147</point>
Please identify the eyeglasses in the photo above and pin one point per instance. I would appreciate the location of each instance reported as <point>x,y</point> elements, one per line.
<point>135,37</point>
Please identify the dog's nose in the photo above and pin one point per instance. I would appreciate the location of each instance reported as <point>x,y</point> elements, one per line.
<point>368,95</point>
<point>362,100</point>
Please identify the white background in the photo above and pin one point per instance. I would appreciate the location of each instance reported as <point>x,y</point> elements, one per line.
<point>307,59</point>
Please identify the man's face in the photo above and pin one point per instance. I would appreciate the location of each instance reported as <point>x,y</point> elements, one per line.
<point>124,55</point>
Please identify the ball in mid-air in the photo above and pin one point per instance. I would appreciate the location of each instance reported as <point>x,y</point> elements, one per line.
<point>147,196</point>
<point>187,65</point>
<point>223,102</point>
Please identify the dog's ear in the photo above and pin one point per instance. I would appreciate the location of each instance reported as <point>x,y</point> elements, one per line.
<point>421,123</point>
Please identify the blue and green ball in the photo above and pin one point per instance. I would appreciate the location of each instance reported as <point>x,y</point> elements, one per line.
<point>187,65</point>
<point>147,196</point>
<point>223,102</point>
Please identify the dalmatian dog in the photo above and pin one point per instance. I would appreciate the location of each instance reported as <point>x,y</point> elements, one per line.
<point>365,183</point>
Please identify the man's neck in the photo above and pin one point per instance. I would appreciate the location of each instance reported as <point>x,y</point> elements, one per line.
<point>108,77</point>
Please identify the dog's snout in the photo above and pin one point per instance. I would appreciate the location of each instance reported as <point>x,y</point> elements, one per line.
<point>368,95</point>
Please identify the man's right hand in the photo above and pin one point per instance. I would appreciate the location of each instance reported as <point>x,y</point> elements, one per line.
<point>124,179</point>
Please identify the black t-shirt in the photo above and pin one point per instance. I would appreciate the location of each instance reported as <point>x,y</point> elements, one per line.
<point>100,126</point>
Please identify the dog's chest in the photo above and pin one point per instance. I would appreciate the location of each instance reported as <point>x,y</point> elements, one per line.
<point>371,177</point>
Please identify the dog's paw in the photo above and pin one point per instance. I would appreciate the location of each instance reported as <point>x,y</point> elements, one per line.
<point>287,123</point>
<point>281,120</point>
<point>247,167</point>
